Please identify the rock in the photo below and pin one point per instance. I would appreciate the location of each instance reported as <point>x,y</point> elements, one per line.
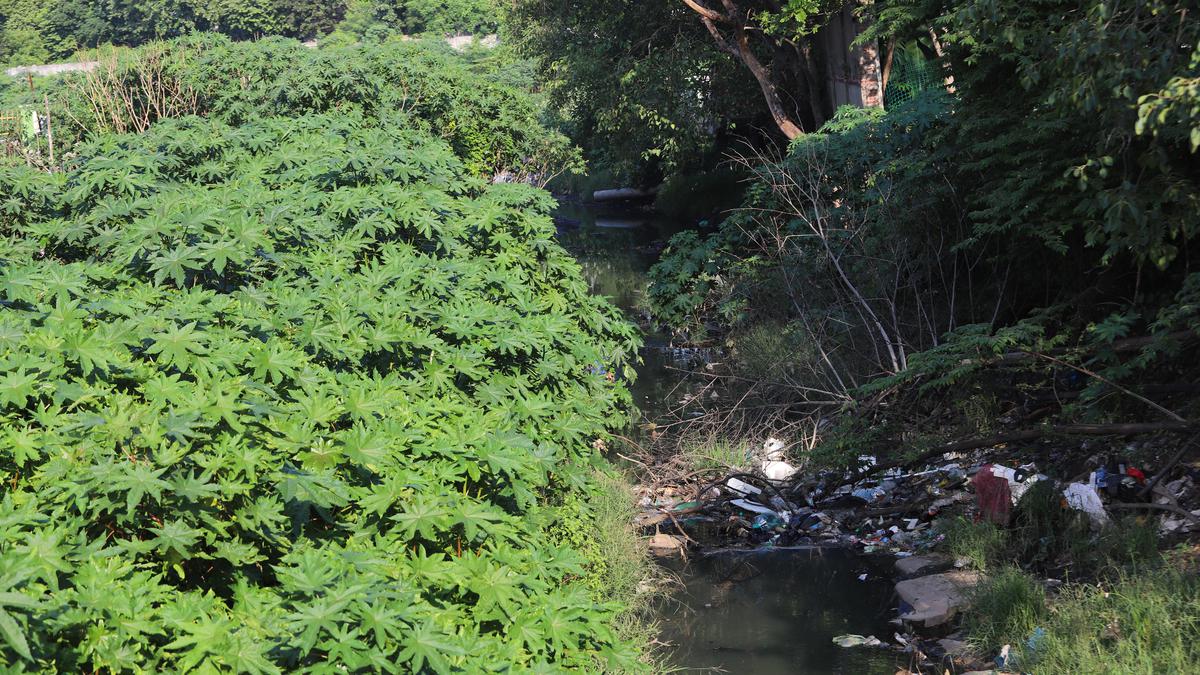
<point>933,600</point>
<point>666,544</point>
<point>954,647</point>
<point>923,564</point>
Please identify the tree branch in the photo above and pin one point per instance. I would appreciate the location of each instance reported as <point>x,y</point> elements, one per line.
<point>708,14</point>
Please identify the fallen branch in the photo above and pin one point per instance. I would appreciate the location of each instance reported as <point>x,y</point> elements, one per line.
<point>1169,413</point>
<point>1157,507</point>
<point>1170,465</point>
<point>1120,346</point>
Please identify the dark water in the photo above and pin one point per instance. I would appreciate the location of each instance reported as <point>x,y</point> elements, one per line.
<point>778,613</point>
<point>763,614</point>
<point>616,247</point>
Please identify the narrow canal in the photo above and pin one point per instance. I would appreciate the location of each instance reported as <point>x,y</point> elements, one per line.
<point>762,613</point>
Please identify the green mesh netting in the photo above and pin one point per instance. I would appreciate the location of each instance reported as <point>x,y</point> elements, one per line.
<point>911,74</point>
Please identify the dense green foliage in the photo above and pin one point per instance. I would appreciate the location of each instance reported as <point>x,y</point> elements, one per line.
<point>40,31</point>
<point>291,384</point>
<point>493,125</point>
<point>643,87</point>
<point>379,18</point>
<point>1050,201</point>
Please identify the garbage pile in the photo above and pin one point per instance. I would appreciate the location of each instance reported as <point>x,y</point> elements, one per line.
<point>892,512</point>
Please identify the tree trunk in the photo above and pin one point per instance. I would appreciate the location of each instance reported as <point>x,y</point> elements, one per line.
<point>769,88</point>
<point>740,49</point>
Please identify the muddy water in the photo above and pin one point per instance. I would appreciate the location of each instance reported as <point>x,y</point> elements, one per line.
<point>762,613</point>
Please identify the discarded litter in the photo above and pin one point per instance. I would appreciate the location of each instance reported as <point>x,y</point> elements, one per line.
<point>1083,497</point>
<point>869,495</point>
<point>848,641</point>
<point>751,506</point>
<point>993,494</point>
<point>767,521</point>
<point>773,465</point>
<point>741,487</point>
<point>1035,640</point>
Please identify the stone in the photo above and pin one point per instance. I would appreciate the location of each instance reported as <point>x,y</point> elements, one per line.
<point>918,565</point>
<point>954,648</point>
<point>933,600</point>
<point>666,544</point>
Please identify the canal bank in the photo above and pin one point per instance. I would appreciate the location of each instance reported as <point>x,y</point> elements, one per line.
<point>741,612</point>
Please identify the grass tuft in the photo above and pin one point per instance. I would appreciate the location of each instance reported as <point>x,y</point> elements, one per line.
<point>1005,609</point>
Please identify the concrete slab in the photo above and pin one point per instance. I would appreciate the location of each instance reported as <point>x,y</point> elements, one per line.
<point>935,599</point>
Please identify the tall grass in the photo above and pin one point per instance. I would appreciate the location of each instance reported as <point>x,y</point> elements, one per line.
<point>618,567</point>
<point>717,453</point>
<point>979,544</point>
<point>1005,609</point>
<point>1147,624</point>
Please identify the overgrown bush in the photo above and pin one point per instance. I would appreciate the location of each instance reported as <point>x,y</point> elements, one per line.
<point>301,393</point>
<point>495,128</point>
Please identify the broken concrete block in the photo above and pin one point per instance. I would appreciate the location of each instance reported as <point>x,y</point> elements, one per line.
<point>933,600</point>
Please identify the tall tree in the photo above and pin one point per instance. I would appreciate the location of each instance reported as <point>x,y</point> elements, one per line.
<point>746,29</point>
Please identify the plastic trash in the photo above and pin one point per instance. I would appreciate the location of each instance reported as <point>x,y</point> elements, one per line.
<point>848,641</point>
<point>1018,490</point>
<point>773,465</point>
<point>742,487</point>
<point>993,494</point>
<point>1083,497</point>
<point>1002,657</point>
<point>751,506</point>
<point>1035,640</point>
<point>767,521</point>
<point>869,495</point>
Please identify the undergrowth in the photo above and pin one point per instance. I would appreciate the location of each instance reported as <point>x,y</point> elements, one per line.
<point>1134,624</point>
<point>1124,612</point>
<point>718,454</point>
<point>598,524</point>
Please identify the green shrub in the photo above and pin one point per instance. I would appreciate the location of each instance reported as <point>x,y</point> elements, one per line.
<point>290,395</point>
<point>493,127</point>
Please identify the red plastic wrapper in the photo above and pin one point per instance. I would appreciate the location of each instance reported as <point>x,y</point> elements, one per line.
<point>993,495</point>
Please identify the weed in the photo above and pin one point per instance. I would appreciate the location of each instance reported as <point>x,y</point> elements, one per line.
<point>1006,608</point>
<point>717,453</point>
<point>1142,624</point>
<point>618,569</point>
<point>979,543</point>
